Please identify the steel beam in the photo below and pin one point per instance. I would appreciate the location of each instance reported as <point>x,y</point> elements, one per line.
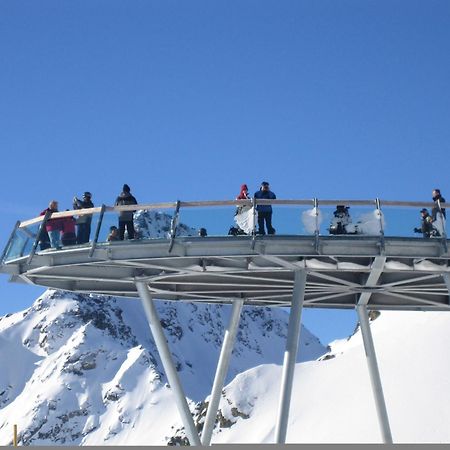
<point>290,356</point>
<point>375,379</point>
<point>166,359</point>
<point>222,370</point>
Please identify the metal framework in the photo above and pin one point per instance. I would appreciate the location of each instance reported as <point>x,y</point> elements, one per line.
<point>358,272</point>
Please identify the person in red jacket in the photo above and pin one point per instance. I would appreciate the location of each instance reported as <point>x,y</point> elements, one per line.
<point>243,195</point>
<point>53,226</point>
<point>68,235</point>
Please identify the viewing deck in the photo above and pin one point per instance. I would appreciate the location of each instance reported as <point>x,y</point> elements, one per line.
<point>388,264</point>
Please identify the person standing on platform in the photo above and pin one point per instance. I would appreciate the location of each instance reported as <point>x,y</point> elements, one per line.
<point>53,227</point>
<point>68,235</point>
<point>438,200</point>
<point>126,217</point>
<point>83,222</point>
<point>265,211</point>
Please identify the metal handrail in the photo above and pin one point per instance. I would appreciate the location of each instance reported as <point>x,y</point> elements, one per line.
<point>211,203</point>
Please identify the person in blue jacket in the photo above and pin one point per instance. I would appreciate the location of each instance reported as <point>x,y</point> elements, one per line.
<point>265,211</point>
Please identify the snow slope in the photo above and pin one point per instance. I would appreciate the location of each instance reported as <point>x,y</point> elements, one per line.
<point>332,399</point>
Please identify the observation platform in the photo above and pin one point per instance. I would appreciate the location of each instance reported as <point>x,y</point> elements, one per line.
<point>393,272</point>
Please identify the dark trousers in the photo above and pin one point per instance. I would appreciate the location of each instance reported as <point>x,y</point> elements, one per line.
<point>44,240</point>
<point>130,229</point>
<point>265,217</point>
<point>68,239</point>
<point>83,233</point>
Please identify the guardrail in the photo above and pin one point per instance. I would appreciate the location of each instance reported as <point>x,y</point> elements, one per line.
<point>391,217</point>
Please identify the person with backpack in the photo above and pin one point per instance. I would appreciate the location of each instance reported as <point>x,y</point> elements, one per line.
<point>427,229</point>
<point>126,217</point>
<point>265,211</point>
<point>83,222</point>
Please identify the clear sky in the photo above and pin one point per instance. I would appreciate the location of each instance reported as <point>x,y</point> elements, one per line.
<point>187,100</point>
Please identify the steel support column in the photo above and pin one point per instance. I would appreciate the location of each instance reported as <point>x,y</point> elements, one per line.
<point>375,379</point>
<point>166,359</point>
<point>290,355</point>
<point>222,370</point>
<point>446,277</point>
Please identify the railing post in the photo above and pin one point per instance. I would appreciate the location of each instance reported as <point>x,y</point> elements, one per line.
<point>11,236</point>
<point>15,435</point>
<point>97,231</point>
<point>174,225</point>
<point>254,222</point>
<point>47,215</point>
<point>380,218</point>
<point>316,225</point>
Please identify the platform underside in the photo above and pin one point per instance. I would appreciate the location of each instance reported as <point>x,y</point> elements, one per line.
<point>397,274</point>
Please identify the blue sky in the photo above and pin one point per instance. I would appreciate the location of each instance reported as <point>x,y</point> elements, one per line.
<point>187,100</point>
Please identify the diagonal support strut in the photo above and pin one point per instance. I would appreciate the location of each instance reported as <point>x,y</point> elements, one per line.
<point>222,369</point>
<point>374,373</point>
<point>166,359</point>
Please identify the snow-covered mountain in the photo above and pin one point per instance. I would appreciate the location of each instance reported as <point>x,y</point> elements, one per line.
<point>83,369</point>
<point>157,224</point>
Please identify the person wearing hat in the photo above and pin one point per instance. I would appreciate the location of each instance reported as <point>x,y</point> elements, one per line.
<point>427,228</point>
<point>126,217</point>
<point>84,221</point>
<point>265,211</point>
<point>113,234</point>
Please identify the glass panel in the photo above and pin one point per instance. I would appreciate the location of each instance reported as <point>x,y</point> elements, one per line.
<point>343,219</point>
<point>152,223</point>
<point>147,224</point>
<point>294,220</point>
<point>16,245</point>
<point>22,242</point>
<point>212,220</point>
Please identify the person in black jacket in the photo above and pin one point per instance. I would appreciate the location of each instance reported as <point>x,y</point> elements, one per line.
<point>83,222</point>
<point>437,199</point>
<point>265,211</point>
<point>126,217</point>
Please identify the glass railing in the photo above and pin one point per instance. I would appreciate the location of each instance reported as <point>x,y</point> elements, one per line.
<point>108,225</point>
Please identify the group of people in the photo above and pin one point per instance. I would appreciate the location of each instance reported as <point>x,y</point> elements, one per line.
<point>264,211</point>
<point>65,231</point>
<point>431,224</point>
<point>428,226</point>
<point>341,222</point>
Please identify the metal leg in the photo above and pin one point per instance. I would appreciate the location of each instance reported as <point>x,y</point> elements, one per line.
<point>290,356</point>
<point>375,379</point>
<point>446,277</point>
<point>221,372</point>
<point>166,358</point>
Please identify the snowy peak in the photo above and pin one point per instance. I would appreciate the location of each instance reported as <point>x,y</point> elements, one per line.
<point>85,369</point>
<point>154,224</point>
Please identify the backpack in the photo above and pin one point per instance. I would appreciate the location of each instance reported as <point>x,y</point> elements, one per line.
<point>235,231</point>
